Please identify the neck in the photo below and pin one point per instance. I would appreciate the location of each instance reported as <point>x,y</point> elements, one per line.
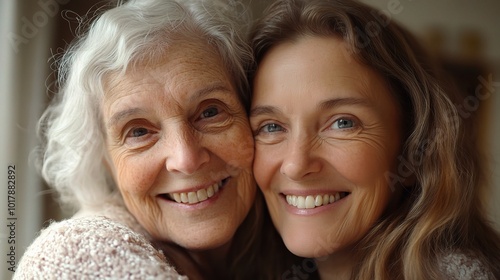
<point>336,266</point>
<point>196,265</point>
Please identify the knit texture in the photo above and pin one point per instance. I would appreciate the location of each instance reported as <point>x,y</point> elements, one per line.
<point>459,266</point>
<point>93,246</point>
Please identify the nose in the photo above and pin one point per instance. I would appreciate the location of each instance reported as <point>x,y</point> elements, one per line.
<point>300,161</point>
<point>185,152</point>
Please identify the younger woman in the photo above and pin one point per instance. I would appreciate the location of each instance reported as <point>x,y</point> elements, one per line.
<point>364,163</point>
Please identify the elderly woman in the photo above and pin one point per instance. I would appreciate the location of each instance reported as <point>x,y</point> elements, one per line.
<point>364,163</point>
<point>149,139</point>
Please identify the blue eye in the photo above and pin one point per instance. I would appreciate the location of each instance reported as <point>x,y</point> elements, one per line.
<point>271,127</point>
<point>138,132</point>
<point>210,112</point>
<point>343,124</point>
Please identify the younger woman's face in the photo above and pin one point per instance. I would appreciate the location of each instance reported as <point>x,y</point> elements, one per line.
<point>327,135</point>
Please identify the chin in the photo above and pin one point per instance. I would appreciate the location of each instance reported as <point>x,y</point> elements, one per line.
<point>205,245</point>
<point>203,239</point>
<point>311,245</point>
<point>315,251</point>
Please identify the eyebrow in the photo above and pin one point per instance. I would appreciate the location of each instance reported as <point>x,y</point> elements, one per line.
<point>327,104</point>
<point>209,89</point>
<point>117,117</point>
<point>264,110</point>
<point>347,101</point>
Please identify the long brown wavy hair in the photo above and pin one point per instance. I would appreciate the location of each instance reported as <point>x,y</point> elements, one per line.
<point>442,210</point>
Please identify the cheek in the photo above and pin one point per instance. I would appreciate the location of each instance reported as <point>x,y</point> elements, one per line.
<point>363,165</point>
<point>366,168</point>
<point>235,147</point>
<point>263,166</point>
<point>370,203</point>
<point>134,174</point>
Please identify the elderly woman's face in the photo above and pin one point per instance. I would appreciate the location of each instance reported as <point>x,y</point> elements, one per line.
<point>181,147</point>
<point>327,134</point>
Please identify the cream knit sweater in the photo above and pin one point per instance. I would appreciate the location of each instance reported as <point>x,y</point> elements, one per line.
<point>108,244</point>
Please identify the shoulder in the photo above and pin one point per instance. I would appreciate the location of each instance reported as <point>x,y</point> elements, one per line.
<point>461,266</point>
<point>115,212</point>
<point>93,247</point>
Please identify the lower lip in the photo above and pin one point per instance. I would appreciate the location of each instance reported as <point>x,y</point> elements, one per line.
<point>312,211</point>
<point>200,205</point>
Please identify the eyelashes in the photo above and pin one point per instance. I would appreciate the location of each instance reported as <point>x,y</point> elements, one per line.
<point>272,131</point>
<point>344,123</point>
<point>211,116</point>
<point>209,112</point>
<point>271,128</point>
<point>138,132</point>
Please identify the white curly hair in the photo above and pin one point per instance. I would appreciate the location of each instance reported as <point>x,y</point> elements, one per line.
<point>72,155</point>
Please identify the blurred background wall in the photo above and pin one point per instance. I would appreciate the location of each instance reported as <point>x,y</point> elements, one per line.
<point>464,35</point>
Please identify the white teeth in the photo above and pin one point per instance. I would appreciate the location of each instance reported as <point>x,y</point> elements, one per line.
<point>210,191</point>
<point>195,197</point>
<point>318,201</point>
<point>326,199</point>
<point>301,202</point>
<point>202,195</point>
<point>312,201</point>
<point>192,197</point>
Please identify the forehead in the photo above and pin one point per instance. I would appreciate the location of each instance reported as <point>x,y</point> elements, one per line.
<point>315,63</point>
<point>182,65</point>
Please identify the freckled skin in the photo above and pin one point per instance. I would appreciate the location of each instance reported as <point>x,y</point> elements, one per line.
<point>310,154</point>
<point>170,140</point>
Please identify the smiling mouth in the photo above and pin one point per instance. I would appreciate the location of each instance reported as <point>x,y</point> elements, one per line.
<point>313,201</point>
<point>196,196</point>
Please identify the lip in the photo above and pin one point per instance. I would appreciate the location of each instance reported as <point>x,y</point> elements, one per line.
<point>164,197</point>
<point>312,211</point>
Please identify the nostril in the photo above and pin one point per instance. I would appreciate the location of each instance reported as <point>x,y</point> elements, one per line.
<point>186,159</point>
<point>299,162</point>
